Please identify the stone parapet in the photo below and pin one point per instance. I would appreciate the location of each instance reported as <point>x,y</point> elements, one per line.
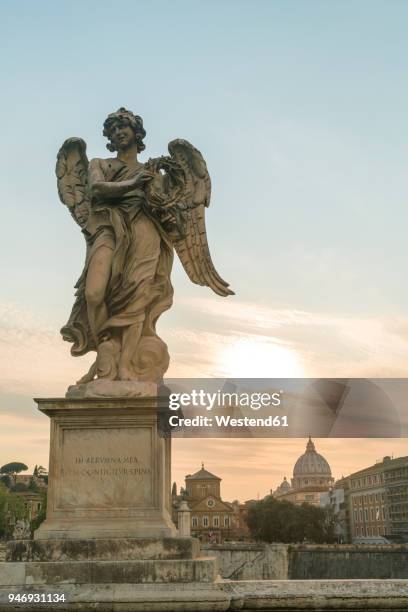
<point>260,561</point>
<point>279,595</point>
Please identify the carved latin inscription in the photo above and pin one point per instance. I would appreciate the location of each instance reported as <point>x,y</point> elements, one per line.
<point>106,468</point>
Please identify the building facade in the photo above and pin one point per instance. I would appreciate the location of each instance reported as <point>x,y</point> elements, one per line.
<point>335,502</point>
<point>378,501</point>
<point>396,486</point>
<point>212,519</point>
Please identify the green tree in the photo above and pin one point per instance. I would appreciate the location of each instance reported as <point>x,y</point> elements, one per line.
<point>13,468</point>
<point>19,487</point>
<point>36,522</point>
<point>273,520</point>
<point>12,509</point>
<point>41,471</point>
<point>32,485</point>
<point>3,509</point>
<point>6,480</point>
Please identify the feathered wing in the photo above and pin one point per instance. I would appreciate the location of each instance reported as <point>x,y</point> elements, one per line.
<point>72,181</point>
<point>72,175</point>
<point>187,188</point>
<point>194,253</point>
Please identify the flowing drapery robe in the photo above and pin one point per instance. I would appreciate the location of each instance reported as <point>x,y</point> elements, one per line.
<point>139,289</point>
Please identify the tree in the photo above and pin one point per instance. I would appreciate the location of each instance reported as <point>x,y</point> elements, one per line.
<point>12,509</point>
<point>32,485</point>
<point>19,487</point>
<point>273,520</point>
<point>36,522</point>
<point>6,480</point>
<point>13,468</point>
<point>3,509</point>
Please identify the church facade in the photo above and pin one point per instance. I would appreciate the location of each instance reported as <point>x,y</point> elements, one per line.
<point>212,519</point>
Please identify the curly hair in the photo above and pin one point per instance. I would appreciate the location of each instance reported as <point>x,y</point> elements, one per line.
<point>125,116</point>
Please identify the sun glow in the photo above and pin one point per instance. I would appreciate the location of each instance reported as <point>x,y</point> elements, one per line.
<point>259,358</point>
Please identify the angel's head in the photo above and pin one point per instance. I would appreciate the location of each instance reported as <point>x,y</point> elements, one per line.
<point>123,120</point>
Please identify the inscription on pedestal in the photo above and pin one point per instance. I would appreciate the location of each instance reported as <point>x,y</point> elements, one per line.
<point>105,468</point>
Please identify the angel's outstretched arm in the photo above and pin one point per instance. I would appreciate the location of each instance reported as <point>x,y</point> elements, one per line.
<point>102,189</point>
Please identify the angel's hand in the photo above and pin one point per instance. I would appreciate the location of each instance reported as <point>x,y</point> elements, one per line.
<point>140,179</point>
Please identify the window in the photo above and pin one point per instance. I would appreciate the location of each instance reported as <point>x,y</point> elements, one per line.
<point>366,514</point>
<point>194,521</point>
<point>355,515</point>
<point>372,513</point>
<point>216,521</point>
<point>226,521</point>
<point>377,514</point>
<point>205,521</point>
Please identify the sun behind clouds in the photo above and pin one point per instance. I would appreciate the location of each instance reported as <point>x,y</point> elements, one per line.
<point>258,357</point>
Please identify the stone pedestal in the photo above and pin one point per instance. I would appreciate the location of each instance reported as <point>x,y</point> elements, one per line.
<point>109,469</point>
<point>108,542</point>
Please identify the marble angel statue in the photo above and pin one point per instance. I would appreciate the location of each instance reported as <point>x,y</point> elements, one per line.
<point>133,217</point>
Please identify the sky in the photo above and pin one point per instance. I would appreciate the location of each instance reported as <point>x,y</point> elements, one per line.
<point>299,109</point>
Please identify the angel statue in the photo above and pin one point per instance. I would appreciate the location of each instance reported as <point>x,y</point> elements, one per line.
<point>132,216</point>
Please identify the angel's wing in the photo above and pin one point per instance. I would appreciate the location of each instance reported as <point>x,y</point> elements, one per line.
<point>195,255</point>
<point>72,178</point>
<point>188,190</point>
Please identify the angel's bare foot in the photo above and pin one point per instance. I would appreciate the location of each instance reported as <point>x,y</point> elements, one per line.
<point>89,376</point>
<point>125,374</point>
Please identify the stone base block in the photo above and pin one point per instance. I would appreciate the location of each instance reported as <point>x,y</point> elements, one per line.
<point>193,597</point>
<point>42,573</point>
<point>109,469</point>
<point>126,549</point>
<point>111,388</point>
<point>142,525</point>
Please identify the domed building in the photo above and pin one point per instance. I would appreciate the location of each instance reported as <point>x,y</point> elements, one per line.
<point>311,477</point>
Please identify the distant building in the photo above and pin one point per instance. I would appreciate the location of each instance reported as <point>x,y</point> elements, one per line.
<point>28,479</point>
<point>335,501</point>
<point>378,501</point>
<point>396,486</point>
<point>212,519</point>
<point>32,502</point>
<point>311,478</point>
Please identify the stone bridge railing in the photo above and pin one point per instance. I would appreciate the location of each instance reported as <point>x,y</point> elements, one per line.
<point>247,561</point>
